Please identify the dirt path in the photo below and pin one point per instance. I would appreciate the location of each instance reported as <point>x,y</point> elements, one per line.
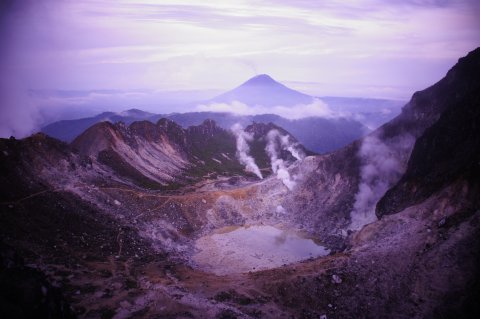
<point>32,196</point>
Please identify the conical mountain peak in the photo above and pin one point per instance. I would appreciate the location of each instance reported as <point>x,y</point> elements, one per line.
<point>262,79</point>
<point>263,90</point>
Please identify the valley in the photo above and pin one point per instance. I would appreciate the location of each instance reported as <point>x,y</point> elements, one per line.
<point>124,222</point>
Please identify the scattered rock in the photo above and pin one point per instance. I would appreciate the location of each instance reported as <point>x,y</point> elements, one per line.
<point>336,279</point>
<point>226,314</point>
<point>442,222</point>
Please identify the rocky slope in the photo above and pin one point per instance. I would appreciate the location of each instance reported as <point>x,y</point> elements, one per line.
<point>164,155</point>
<point>119,248</point>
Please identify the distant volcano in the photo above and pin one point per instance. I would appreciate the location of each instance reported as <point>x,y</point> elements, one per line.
<point>263,90</point>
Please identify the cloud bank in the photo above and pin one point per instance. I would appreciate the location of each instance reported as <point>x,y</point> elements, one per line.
<point>317,108</point>
<point>19,117</point>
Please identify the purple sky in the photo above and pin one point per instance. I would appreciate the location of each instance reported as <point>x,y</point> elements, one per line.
<point>367,48</point>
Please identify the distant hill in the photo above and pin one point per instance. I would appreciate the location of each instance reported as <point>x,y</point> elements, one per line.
<point>317,134</point>
<point>68,130</point>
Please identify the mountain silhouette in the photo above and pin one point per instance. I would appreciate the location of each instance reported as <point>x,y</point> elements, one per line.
<point>263,90</point>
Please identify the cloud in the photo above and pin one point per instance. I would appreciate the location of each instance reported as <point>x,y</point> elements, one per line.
<point>315,109</point>
<point>18,116</point>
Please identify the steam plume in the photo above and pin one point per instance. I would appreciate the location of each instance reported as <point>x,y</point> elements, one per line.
<point>274,141</point>
<point>243,150</point>
<point>291,146</point>
<point>383,165</point>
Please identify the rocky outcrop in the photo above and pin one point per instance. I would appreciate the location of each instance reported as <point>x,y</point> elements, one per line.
<point>155,155</point>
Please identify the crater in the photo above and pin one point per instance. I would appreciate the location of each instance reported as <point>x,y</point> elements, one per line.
<point>236,249</point>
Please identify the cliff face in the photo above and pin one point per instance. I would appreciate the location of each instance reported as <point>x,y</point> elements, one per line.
<point>447,151</point>
<point>142,152</point>
<point>156,155</point>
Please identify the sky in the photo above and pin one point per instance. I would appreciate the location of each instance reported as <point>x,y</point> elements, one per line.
<point>131,48</point>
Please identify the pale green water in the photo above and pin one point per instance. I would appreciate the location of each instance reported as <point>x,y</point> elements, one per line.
<point>231,250</point>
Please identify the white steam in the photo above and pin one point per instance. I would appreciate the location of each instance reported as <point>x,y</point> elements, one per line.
<point>275,143</point>
<point>18,116</point>
<point>383,165</point>
<point>243,150</point>
<point>291,146</point>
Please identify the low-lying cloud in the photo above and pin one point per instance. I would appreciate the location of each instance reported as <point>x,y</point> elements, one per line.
<point>317,108</point>
<point>18,115</point>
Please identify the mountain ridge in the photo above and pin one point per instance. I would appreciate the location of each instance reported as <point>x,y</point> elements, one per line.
<point>319,134</point>
<point>183,155</point>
